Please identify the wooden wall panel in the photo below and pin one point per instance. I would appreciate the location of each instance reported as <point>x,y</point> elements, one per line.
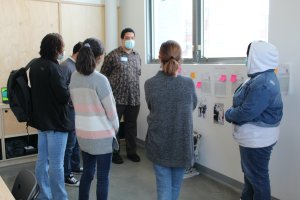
<point>79,22</point>
<point>23,25</point>
<point>12,127</point>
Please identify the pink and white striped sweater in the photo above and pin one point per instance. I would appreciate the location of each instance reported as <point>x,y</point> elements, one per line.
<point>96,118</point>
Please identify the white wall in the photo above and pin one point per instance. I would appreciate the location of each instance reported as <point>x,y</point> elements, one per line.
<point>285,164</point>
<point>218,151</point>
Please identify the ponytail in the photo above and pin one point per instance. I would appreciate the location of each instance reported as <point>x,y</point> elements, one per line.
<point>170,67</point>
<point>170,57</point>
<point>86,62</point>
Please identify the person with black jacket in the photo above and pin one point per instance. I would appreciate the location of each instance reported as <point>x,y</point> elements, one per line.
<point>50,99</point>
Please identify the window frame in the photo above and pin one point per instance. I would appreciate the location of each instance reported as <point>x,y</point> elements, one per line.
<point>198,25</point>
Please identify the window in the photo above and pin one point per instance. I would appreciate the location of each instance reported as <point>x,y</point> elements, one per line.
<point>207,30</point>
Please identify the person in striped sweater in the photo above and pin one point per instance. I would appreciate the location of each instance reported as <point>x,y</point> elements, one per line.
<point>96,118</point>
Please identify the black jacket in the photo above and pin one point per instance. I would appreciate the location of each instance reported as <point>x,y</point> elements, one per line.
<point>50,97</point>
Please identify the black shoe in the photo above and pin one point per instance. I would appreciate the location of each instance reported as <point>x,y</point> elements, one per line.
<point>134,157</point>
<point>117,159</point>
<point>72,181</point>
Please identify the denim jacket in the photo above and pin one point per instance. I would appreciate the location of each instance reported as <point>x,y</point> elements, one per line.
<point>258,101</point>
<point>257,106</point>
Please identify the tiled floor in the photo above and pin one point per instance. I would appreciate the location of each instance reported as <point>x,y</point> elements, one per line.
<point>136,181</point>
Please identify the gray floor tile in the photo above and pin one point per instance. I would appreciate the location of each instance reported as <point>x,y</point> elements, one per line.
<point>136,181</point>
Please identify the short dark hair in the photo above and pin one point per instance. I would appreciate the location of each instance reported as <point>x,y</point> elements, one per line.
<point>126,30</point>
<point>77,47</point>
<point>86,59</point>
<point>51,45</point>
<point>248,49</point>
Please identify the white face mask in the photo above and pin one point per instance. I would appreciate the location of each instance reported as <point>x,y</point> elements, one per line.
<point>61,56</point>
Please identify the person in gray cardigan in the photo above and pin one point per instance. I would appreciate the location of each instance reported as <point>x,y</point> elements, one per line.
<point>72,152</point>
<point>171,99</point>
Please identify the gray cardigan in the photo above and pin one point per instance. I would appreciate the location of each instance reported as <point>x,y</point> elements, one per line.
<point>171,101</point>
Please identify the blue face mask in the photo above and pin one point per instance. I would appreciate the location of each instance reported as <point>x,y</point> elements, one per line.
<point>129,44</point>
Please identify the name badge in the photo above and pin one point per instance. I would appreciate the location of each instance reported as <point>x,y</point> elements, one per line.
<point>124,59</point>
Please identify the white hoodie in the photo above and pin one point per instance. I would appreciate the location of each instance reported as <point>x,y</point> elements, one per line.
<point>262,56</point>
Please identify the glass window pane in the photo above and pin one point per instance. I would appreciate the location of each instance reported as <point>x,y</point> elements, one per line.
<point>172,20</point>
<point>229,26</point>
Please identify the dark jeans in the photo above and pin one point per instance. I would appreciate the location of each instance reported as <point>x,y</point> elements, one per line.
<point>89,165</point>
<point>130,114</point>
<point>72,155</point>
<point>255,166</point>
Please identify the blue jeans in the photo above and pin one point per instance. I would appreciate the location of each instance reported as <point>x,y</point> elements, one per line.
<point>168,181</point>
<point>72,154</point>
<point>49,167</point>
<point>89,165</point>
<point>255,166</point>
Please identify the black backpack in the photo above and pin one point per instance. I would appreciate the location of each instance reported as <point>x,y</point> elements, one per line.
<point>19,95</point>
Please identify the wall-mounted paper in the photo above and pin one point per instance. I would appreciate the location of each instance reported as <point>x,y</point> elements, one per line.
<point>205,86</point>
<point>223,78</point>
<point>202,107</point>
<point>198,84</point>
<point>220,85</point>
<point>179,70</point>
<point>284,78</point>
<point>219,113</point>
<point>233,78</point>
<point>193,75</point>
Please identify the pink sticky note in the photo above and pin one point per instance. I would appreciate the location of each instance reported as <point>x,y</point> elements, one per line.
<point>198,85</point>
<point>223,78</point>
<point>233,78</point>
<point>179,69</point>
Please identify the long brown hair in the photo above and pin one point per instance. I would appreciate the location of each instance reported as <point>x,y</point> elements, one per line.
<point>170,57</point>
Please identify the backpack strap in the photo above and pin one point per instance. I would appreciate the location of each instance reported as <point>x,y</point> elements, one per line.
<point>27,94</point>
<point>28,65</point>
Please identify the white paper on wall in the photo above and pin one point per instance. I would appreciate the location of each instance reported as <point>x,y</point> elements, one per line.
<point>205,83</point>
<point>220,84</point>
<point>283,74</point>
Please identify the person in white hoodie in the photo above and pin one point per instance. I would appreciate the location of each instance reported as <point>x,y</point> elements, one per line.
<point>256,114</point>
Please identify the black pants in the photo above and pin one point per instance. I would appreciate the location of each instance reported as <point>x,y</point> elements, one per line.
<point>130,114</point>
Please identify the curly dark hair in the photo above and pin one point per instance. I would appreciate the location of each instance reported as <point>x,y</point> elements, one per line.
<point>51,45</point>
<point>91,49</point>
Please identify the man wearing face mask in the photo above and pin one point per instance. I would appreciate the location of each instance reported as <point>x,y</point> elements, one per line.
<point>122,67</point>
